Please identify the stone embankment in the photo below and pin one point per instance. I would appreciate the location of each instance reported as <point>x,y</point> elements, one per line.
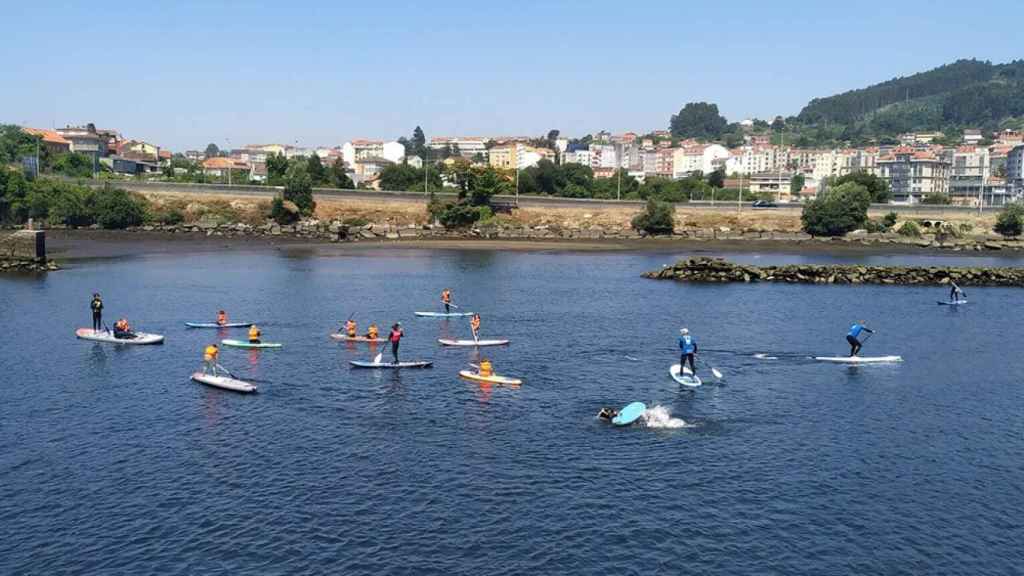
<point>719,270</point>
<point>24,250</point>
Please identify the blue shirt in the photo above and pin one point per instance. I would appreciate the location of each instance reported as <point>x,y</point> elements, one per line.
<point>855,330</point>
<point>687,344</point>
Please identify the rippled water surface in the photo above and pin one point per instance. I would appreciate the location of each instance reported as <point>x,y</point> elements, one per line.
<point>113,462</point>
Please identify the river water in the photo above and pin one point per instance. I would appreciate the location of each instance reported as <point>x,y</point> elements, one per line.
<point>113,462</point>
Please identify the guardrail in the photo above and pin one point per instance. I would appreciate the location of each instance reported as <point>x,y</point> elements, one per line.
<point>522,200</point>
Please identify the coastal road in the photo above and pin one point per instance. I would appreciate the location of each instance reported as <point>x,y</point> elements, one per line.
<point>523,201</point>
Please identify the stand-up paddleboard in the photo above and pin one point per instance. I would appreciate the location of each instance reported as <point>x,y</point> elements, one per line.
<point>449,342</point>
<point>951,302</point>
<point>223,382</point>
<point>859,359</point>
<point>361,364</point>
<point>686,378</point>
<point>442,314</point>
<point>251,345</point>
<point>140,338</point>
<point>492,379</point>
<point>347,338</point>
<point>629,414</point>
<point>215,325</point>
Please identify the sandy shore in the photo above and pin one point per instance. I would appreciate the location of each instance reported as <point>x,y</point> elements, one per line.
<point>68,245</point>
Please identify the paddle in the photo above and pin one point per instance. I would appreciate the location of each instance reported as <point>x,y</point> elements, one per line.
<point>450,304</point>
<point>228,372</point>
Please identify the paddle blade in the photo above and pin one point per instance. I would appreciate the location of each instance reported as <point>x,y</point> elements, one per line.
<point>716,373</point>
<point>377,358</point>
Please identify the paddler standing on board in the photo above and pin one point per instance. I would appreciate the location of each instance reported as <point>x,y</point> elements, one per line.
<point>687,350</point>
<point>474,324</point>
<point>446,299</point>
<point>97,312</point>
<point>210,355</point>
<point>396,338</point>
<point>853,336</point>
<point>955,293</point>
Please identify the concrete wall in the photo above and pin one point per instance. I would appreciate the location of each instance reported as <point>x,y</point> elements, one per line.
<point>26,245</point>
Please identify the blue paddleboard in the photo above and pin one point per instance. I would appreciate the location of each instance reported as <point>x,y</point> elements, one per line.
<point>629,414</point>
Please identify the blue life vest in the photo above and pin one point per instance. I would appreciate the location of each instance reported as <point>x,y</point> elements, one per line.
<point>855,330</point>
<point>687,344</point>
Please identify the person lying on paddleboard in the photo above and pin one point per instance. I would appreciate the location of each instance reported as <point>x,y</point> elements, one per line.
<point>351,329</point>
<point>372,333</point>
<point>123,330</point>
<point>687,350</point>
<point>97,312</point>
<point>607,414</point>
<point>210,356</point>
<point>446,298</point>
<point>396,338</point>
<point>854,333</point>
<point>955,293</point>
<point>254,334</point>
<point>474,324</point>
<point>222,318</point>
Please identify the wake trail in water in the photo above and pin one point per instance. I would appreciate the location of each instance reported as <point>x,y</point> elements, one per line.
<point>661,417</point>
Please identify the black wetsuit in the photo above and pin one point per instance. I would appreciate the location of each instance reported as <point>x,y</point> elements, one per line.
<point>97,314</point>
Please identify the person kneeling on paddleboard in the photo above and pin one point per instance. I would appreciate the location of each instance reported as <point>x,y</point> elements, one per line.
<point>687,350</point>
<point>254,334</point>
<point>852,336</point>
<point>396,338</point>
<point>210,355</point>
<point>446,299</point>
<point>372,333</point>
<point>97,312</point>
<point>607,414</point>
<point>222,318</point>
<point>122,330</point>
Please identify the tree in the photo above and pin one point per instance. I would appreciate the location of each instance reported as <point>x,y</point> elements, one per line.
<point>212,150</point>
<point>778,124</point>
<point>657,218</point>
<point>73,165</point>
<point>552,137</point>
<point>842,209</point>
<point>487,184</point>
<point>796,183</point>
<point>317,172</point>
<point>15,144</point>
<point>338,176</point>
<point>419,142</point>
<point>400,177</point>
<point>698,120</point>
<point>298,188</point>
<point>877,187</point>
<point>1010,222</point>
<point>277,165</point>
<point>717,178</point>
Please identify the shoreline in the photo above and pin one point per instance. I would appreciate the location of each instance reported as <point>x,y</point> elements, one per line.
<point>75,245</point>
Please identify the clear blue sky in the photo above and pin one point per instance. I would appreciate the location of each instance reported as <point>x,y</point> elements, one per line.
<point>182,74</point>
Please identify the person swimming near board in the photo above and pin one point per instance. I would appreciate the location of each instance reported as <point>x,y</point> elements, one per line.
<point>607,413</point>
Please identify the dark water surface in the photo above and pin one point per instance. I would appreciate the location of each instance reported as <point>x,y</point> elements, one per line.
<point>113,462</point>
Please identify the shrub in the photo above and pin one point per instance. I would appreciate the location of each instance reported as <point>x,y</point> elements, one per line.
<point>74,207</point>
<point>117,209</point>
<point>459,215</point>
<point>840,210</point>
<point>874,226</point>
<point>357,221</point>
<point>657,218</point>
<point>284,211</point>
<point>890,220</point>
<point>298,188</point>
<point>1010,221</point>
<point>910,228</point>
<point>169,215</point>
<point>966,227</point>
<point>936,199</point>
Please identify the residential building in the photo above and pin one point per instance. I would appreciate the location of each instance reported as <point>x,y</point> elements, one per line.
<point>1015,169</point>
<point>266,150</point>
<point>664,162</point>
<point>774,183</point>
<point>757,159</point>
<point>369,168</point>
<point>355,150</point>
<point>131,165</point>
<point>920,138</point>
<point>194,155</point>
<point>517,156</point>
<point>972,137</point>
<point>1010,137</point>
<point>913,174</point>
<point>468,146</point>
<point>703,158</point>
<point>50,140</point>
<point>970,171</point>
<point>603,156</point>
<point>219,166</point>
<point>258,172</point>
<point>579,156</point>
<point>85,140</point>
<point>414,161</point>
<point>138,149</point>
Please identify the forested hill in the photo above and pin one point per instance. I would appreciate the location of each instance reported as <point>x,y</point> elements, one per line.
<point>964,93</point>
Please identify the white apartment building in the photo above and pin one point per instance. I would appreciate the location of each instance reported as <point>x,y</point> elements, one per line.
<point>757,159</point>
<point>705,158</point>
<point>603,156</point>
<point>468,146</point>
<point>581,156</point>
<point>362,149</point>
<point>913,174</point>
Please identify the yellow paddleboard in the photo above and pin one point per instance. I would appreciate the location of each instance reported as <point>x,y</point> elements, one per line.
<point>492,379</point>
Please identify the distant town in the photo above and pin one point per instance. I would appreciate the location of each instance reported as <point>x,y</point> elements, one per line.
<point>920,167</point>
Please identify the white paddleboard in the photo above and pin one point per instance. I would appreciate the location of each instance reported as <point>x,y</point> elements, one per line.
<point>686,378</point>
<point>141,338</point>
<point>951,302</point>
<point>223,382</point>
<point>859,359</point>
<point>449,342</point>
<point>442,314</point>
<point>379,365</point>
<point>347,338</point>
<point>215,325</point>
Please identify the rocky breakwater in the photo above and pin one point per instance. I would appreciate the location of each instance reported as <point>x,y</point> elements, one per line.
<point>24,250</point>
<point>719,270</point>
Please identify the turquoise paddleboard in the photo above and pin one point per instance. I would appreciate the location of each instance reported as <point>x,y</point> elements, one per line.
<point>629,414</point>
